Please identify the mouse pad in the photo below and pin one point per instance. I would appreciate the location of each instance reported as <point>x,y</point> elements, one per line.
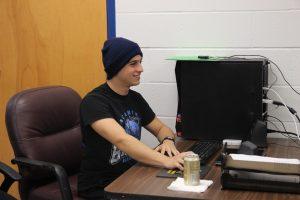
<point>172,173</point>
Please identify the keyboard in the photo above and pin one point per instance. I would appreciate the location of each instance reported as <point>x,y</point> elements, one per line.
<point>205,149</point>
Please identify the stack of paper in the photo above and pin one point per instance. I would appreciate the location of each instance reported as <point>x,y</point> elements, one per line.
<point>262,163</point>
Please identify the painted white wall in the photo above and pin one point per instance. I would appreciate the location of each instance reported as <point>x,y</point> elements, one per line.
<point>164,28</point>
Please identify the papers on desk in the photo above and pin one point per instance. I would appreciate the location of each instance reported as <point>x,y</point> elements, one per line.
<point>260,173</point>
<point>264,159</point>
<point>264,176</point>
<point>262,163</point>
<point>178,185</point>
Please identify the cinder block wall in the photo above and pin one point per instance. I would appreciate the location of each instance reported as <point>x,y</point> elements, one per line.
<point>164,28</point>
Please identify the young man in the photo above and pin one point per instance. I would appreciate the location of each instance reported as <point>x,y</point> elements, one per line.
<point>111,119</point>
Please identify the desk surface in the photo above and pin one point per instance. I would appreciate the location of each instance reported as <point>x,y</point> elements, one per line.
<point>140,181</point>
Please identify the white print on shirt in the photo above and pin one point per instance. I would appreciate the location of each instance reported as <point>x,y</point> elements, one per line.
<point>130,121</point>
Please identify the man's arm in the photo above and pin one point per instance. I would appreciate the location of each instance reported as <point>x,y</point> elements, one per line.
<point>114,133</point>
<point>161,131</point>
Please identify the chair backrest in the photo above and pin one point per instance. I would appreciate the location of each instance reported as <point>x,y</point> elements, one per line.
<point>44,124</point>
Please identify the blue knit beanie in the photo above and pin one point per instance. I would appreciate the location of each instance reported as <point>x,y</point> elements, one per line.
<point>116,53</point>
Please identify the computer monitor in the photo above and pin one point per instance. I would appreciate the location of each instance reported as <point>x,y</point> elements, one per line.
<point>220,99</point>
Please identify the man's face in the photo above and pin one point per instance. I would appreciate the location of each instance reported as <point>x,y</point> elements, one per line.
<point>131,72</point>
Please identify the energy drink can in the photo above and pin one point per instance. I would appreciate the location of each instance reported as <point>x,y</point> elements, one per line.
<point>191,172</point>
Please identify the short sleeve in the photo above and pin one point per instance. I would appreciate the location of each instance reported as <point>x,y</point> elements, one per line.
<point>147,113</point>
<point>93,108</point>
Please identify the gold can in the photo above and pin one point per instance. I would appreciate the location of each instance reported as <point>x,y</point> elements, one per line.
<point>191,172</point>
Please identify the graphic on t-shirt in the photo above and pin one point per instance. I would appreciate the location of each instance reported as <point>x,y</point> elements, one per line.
<point>130,121</point>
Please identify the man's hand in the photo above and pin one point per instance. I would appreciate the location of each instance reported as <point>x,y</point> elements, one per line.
<point>176,162</point>
<point>168,147</point>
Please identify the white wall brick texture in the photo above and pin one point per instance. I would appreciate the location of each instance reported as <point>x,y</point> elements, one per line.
<point>165,28</point>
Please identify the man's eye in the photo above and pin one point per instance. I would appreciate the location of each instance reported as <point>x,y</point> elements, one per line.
<point>133,63</point>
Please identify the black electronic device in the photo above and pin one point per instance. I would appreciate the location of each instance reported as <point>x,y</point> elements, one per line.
<point>205,149</point>
<point>220,98</point>
<point>259,133</point>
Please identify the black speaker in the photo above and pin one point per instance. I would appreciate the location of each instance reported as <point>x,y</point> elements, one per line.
<point>259,133</point>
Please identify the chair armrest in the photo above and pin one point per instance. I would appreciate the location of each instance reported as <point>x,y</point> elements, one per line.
<point>57,170</point>
<point>10,172</point>
<point>10,175</point>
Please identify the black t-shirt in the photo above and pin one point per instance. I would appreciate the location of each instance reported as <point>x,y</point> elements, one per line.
<point>103,162</point>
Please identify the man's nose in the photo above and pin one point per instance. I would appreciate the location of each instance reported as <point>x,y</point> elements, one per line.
<point>140,68</point>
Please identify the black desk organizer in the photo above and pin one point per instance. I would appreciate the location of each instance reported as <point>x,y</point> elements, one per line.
<point>231,182</point>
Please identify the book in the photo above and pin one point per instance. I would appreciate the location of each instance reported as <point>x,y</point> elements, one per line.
<point>263,163</point>
<point>262,176</point>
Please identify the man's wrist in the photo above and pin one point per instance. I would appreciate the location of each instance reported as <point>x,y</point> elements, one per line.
<point>168,138</point>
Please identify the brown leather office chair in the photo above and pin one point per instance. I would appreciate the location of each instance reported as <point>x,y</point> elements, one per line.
<point>10,176</point>
<point>44,131</point>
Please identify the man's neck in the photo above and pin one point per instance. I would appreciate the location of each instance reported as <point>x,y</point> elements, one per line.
<point>118,87</point>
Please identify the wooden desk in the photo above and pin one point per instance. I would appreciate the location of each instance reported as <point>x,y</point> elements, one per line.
<point>140,181</point>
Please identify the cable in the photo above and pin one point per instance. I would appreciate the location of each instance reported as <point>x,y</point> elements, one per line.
<point>277,131</point>
<point>275,77</point>
<point>279,121</point>
<point>297,117</point>
<point>284,77</point>
<point>282,132</point>
<point>286,108</point>
<point>291,138</point>
<point>273,64</point>
<point>277,103</point>
<point>270,111</point>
